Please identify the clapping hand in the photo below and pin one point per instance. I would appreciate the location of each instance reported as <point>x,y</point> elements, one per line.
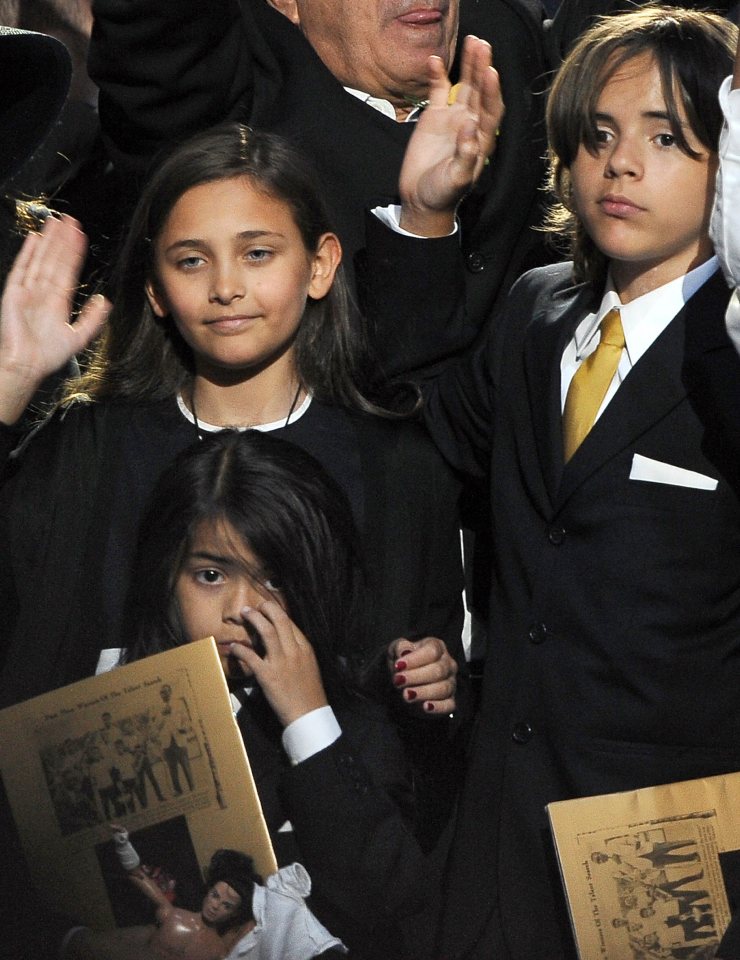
<point>451,142</point>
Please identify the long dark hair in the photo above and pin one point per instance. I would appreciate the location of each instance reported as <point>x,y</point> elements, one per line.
<point>142,357</point>
<point>282,504</point>
<point>693,50</point>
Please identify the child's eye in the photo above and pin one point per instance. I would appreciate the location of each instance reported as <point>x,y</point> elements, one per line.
<point>271,584</point>
<point>189,263</point>
<point>259,256</point>
<point>665,139</point>
<point>209,576</point>
<point>601,135</point>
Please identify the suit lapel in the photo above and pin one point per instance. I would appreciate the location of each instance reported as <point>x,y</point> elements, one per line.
<point>545,341</point>
<point>653,387</point>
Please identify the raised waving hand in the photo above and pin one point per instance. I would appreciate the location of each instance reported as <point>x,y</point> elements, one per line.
<point>38,331</point>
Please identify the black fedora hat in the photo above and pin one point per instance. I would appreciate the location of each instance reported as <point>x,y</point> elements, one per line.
<point>35,71</point>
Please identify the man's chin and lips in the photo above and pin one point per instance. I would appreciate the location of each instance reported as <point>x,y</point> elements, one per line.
<point>415,29</point>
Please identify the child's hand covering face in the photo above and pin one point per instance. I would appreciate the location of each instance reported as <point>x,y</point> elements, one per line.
<point>223,591</point>
<point>288,673</point>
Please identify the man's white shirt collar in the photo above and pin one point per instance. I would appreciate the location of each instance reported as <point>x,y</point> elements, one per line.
<point>382,106</point>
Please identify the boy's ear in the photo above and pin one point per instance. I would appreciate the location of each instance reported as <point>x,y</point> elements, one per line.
<point>289,9</point>
<point>156,300</point>
<point>325,263</point>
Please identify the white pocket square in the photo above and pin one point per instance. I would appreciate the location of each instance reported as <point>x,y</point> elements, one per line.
<point>655,471</point>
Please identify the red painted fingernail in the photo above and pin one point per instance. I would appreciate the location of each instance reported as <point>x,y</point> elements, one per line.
<point>399,680</point>
<point>410,694</point>
<point>400,664</point>
<point>429,706</point>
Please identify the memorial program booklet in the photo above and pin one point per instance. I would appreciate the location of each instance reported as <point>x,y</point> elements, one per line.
<point>651,873</point>
<point>153,746</point>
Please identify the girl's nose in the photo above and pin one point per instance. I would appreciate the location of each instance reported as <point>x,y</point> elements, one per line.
<point>240,595</point>
<point>228,285</point>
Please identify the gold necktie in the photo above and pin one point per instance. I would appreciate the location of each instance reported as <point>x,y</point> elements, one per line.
<point>591,381</point>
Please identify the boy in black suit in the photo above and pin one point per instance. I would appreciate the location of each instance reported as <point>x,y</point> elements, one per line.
<point>603,411</point>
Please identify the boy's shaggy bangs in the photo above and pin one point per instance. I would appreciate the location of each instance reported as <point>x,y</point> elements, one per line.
<point>694,51</point>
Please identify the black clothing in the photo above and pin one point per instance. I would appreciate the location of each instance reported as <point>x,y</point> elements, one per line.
<point>166,70</point>
<point>71,508</point>
<point>351,807</point>
<point>614,658</point>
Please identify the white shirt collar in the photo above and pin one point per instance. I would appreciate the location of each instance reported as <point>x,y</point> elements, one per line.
<point>262,427</point>
<point>645,318</point>
<point>382,106</point>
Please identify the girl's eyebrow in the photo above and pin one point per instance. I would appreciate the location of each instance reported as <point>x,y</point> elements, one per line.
<point>214,558</point>
<point>189,242</point>
<point>202,556</point>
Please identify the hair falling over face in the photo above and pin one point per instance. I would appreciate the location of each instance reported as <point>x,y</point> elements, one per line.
<point>290,530</point>
<point>693,51</point>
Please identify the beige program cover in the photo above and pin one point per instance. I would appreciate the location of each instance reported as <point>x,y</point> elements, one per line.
<point>153,746</point>
<point>647,872</point>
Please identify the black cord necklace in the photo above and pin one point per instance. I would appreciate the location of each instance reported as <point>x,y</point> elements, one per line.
<point>200,432</point>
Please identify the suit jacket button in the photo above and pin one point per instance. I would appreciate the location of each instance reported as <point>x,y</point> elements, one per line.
<point>476,263</point>
<point>522,733</point>
<point>537,633</point>
<point>556,535</point>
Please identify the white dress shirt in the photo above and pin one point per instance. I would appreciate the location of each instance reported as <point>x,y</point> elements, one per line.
<point>725,226</point>
<point>285,928</point>
<point>643,320</point>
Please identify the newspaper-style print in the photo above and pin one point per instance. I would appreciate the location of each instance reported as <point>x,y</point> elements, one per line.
<point>651,874</point>
<point>655,890</point>
<point>153,746</point>
<point>107,758</point>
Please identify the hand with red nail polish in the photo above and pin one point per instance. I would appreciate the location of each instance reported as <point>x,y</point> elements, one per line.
<point>425,674</point>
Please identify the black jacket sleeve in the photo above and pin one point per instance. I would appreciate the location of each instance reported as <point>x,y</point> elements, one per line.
<point>165,69</point>
<point>351,806</point>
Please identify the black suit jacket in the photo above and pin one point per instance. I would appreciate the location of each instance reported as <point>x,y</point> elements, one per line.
<point>168,69</point>
<point>614,658</point>
<point>351,807</point>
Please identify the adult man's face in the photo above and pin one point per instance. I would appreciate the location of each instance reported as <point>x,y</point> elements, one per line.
<point>378,46</point>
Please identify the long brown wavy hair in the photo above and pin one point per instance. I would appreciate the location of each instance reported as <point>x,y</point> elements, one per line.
<point>143,358</point>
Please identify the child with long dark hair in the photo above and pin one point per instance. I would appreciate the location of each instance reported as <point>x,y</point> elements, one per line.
<point>230,310</point>
<point>247,539</point>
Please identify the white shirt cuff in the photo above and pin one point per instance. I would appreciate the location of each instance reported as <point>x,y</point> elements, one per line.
<point>310,733</point>
<point>391,217</point>
<point>729,101</point>
<point>108,659</point>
